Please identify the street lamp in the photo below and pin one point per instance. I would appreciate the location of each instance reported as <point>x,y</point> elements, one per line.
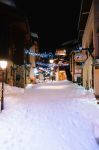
<point>51,69</point>
<point>51,61</point>
<point>3,65</point>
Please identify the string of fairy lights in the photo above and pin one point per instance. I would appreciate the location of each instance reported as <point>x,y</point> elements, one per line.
<point>51,65</point>
<point>42,55</point>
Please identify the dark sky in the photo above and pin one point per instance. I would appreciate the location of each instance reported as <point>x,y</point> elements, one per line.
<point>55,22</point>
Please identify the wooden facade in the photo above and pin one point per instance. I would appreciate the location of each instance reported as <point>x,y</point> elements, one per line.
<point>14,37</point>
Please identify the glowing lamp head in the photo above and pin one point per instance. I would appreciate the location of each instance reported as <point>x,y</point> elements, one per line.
<point>3,64</point>
<point>51,61</point>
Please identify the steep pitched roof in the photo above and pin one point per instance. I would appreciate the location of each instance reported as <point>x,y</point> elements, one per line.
<point>8,2</point>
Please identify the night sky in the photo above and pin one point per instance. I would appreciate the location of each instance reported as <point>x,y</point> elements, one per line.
<point>54,22</point>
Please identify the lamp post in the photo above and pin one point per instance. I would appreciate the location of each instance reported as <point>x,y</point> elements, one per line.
<point>51,68</point>
<point>3,65</point>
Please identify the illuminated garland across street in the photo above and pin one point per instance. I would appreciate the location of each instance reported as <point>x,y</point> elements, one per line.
<point>50,65</point>
<point>42,55</point>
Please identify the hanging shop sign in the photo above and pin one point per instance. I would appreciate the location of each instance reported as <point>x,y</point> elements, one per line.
<point>79,57</point>
<point>60,52</point>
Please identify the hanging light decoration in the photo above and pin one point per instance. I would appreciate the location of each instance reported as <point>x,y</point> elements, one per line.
<point>34,54</point>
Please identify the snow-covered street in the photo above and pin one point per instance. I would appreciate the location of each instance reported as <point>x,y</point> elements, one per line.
<point>58,115</point>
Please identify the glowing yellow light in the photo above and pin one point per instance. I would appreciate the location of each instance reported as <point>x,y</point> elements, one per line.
<point>3,64</point>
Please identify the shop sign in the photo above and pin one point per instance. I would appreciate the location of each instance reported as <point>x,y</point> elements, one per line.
<point>79,57</point>
<point>60,52</point>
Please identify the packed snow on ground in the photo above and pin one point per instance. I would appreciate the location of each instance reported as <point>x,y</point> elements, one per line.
<point>58,115</point>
